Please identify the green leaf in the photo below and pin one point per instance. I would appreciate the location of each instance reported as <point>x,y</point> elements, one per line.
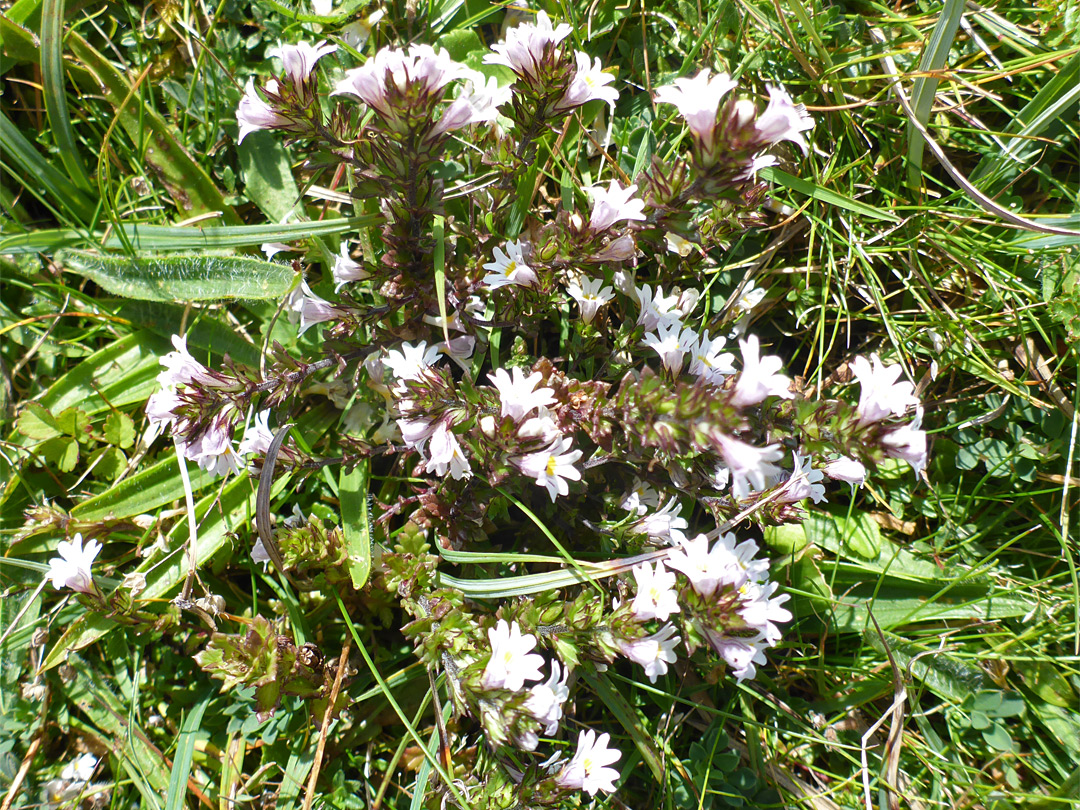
<point>824,195</point>
<point>54,92</point>
<point>860,533</point>
<point>73,421</point>
<point>119,430</point>
<point>945,675</point>
<point>998,738</point>
<point>143,492</point>
<point>176,798</point>
<point>267,171</point>
<point>1044,679</point>
<point>182,278</point>
<point>62,452</point>
<point>35,422</point>
<point>353,490</point>
<point>107,463</point>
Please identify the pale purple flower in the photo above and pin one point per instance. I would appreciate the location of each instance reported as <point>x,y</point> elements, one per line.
<point>258,436</point>
<point>782,120</point>
<point>421,66</point>
<point>590,295</point>
<point>589,83</point>
<point>253,113</point>
<point>759,378</point>
<point>553,467</point>
<point>541,427</point>
<point>162,407</point>
<point>509,268</point>
<point>213,448</point>
<point>698,101</point>
<point>587,769</point>
<point>907,443</point>
<point>805,482</point>
<point>518,394</point>
<point>346,269</point>
<point>709,361</point>
<point>672,343</point>
<point>612,205</point>
<point>272,249</point>
<point>309,309</point>
<point>414,432</point>
<point>749,465</point>
<point>511,662</point>
<point>478,101</point>
<point>445,454</point>
<point>180,368</point>
<point>881,395</point>
<point>523,48</point>
<point>546,699</point>
<point>664,524</point>
<point>656,597</point>
<point>71,568</point>
<point>299,59</point>
<point>741,654</point>
<point>653,652</point>
<point>846,469</point>
<point>657,308</point>
<point>409,362</point>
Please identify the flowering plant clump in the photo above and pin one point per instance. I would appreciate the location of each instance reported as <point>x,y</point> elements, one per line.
<point>522,374</point>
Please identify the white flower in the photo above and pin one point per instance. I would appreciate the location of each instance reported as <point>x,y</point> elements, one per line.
<point>272,249</point>
<point>80,770</point>
<point>759,609</point>
<point>589,83</point>
<point>411,362</point>
<point>677,244</point>
<point>741,654</point>
<point>656,597</point>
<point>750,297</point>
<point>653,652</point>
<point>253,113</point>
<point>671,342</point>
<point>524,45</point>
<point>846,469</point>
<point>759,378</point>
<point>421,67</point>
<point>709,361</point>
<point>414,432</point>
<point>707,569</point>
<point>183,369</point>
<point>518,394</point>
<point>656,308</point>
<point>161,407</point>
<point>299,59</point>
<point>478,101</point>
<point>748,464</point>
<point>511,662</point>
<point>542,427</point>
<point>663,525</point>
<point>612,205</point>
<point>590,295</point>
<point>907,443</point>
<point>587,769</point>
<point>880,395</point>
<point>698,101</point>
<point>783,120</point>
<point>446,454</point>
<point>345,269</point>
<point>257,436</point>
<point>509,268</point>
<point>71,569</point>
<point>358,32</point>
<point>546,699</point>
<point>805,482</point>
<point>640,498</point>
<point>552,467</point>
<point>309,309</point>
<point>213,449</point>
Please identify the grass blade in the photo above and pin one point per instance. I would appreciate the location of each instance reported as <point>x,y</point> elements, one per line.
<point>52,80</point>
<point>824,195</point>
<point>176,798</point>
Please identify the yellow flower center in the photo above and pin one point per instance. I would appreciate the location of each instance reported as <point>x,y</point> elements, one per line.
<point>510,268</point>
<point>551,465</point>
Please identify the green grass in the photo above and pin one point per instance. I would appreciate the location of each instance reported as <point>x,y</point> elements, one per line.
<point>118,125</point>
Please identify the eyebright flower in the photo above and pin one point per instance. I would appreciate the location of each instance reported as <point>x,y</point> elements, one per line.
<point>750,297</point>
<point>671,342</point>
<point>345,269</point>
<point>588,84</point>
<point>511,662</point>
<point>761,610</point>
<point>759,378</point>
<point>698,101</point>
<point>709,361</point>
<point>653,652</point>
<point>524,46</point>
<point>552,467</point>
<point>881,396</point>
<point>587,769</point>
<point>546,699</point>
<point>180,368</point>
<point>253,113</point>
<point>805,482</point>
<point>741,654</point>
<point>656,597</point>
<point>410,362</point>
<point>907,443</point>
<point>518,394</point>
<point>590,295</point>
<point>478,101</point>
<point>258,436</point>
<point>707,569</point>
<point>663,525</point>
<point>71,569</point>
<point>446,454</point>
<point>385,79</point>
<point>657,308</point>
<point>612,205</point>
<point>748,464</point>
<point>80,769</point>
<point>212,449</point>
<point>642,495</point>
<point>509,268</point>
<point>309,309</point>
<point>299,59</point>
<point>846,469</point>
<point>782,120</point>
